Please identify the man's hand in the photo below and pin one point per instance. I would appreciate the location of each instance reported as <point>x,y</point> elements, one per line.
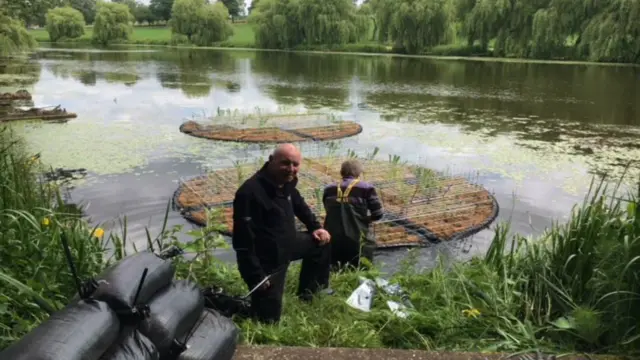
<point>322,236</point>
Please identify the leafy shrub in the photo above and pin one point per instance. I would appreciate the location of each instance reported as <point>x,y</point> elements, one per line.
<point>64,22</point>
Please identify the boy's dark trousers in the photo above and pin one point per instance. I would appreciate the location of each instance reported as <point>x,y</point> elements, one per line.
<point>346,253</point>
<point>266,305</point>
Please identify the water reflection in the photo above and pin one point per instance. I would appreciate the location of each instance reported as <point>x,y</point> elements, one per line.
<point>314,80</point>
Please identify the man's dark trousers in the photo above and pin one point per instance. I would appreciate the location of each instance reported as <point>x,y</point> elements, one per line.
<point>266,304</point>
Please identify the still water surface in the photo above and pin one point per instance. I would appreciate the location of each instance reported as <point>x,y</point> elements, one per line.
<point>533,132</point>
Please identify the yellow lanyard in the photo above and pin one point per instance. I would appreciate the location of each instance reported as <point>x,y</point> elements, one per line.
<point>343,197</point>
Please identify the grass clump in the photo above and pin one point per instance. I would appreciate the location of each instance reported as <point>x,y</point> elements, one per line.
<point>33,272</point>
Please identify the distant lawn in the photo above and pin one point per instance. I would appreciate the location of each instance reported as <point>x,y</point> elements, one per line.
<point>243,35</point>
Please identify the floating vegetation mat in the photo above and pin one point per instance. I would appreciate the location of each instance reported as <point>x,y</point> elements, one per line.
<point>56,113</point>
<point>273,128</point>
<point>18,95</point>
<point>421,206</point>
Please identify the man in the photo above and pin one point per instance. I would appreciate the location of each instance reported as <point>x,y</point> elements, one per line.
<point>265,237</point>
<point>347,220</point>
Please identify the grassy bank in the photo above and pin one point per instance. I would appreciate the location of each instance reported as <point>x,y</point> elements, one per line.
<point>574,289</point>
<point>243,37</point>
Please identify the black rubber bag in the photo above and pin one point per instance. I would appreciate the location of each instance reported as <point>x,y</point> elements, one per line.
<point>215,337</point>
<point>82,330</point>
<point>131,345</point>
<point>123,278</point>
<point>172,313</point>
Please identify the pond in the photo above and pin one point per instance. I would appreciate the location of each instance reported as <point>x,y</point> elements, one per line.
<point>534,133</point>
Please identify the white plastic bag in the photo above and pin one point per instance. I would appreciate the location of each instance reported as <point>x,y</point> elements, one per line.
<point>362,297</point>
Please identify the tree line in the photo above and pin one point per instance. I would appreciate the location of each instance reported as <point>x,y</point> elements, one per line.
<point>603,30</point>
<point>33,12</point>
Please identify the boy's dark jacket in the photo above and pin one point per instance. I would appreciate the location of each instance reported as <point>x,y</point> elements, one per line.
<point>264,225</point>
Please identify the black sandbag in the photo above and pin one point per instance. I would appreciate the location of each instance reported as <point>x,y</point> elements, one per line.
<point>215,337</point>
<point>82,330</point>
<point>172,313</point>
<point>123,278</point>
<point>131,345</point>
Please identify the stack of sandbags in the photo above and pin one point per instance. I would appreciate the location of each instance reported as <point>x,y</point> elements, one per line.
<point>137,311</point>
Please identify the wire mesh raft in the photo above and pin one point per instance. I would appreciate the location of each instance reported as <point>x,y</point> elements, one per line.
<point>273,128</point>
<point>421,206</point>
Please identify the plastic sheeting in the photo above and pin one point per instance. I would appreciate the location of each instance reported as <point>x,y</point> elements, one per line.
<point>173,313</point>
<point>82,330</point>
<point>131,345</point>
<point>214,338</point>
<point>123,278</point>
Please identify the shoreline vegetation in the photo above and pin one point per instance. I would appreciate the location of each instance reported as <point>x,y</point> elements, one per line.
<point>242,39</point>
<point>574,289</point>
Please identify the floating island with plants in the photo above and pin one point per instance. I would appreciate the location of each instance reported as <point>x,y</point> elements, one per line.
<point>48,114</point>
<point>272,128</point>
<point>421,206</point>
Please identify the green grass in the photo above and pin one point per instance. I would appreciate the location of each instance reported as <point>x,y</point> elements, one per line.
<point>33,272</point>
<point>575,289</point>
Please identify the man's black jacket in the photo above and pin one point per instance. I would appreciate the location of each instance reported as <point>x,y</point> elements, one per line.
<point>264,225</point>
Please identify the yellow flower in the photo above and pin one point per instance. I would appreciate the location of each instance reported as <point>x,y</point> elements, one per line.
<point>45,221</point>
<point>471,312</point>
<point>99,233</point>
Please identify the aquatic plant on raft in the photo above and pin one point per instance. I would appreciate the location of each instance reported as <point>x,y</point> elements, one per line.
<point>421,206</point>
<point>272,128</point>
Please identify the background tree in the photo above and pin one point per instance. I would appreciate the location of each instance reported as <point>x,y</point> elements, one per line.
<point>13,36</point>
<point>252,6</point>
<point>64,22</point>
<point>142,14</point>
<point>413,25</point>
<point>276,24</point>
<point>235,7</point>
<point>161,9</point>
<point>86,7</point>
<point>201,24</point>
<point>113,22</point>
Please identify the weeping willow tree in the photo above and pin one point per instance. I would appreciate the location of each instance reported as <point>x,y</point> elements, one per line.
<point>413,25</point>
<point>202,24</point>
<point>14,37</point>
<point>277,24</point>
<point>286,24</point>
<point>113,22</point>
<point>614,33</point>
<point>329,22</point>
<point>482,20</point>
<point>64,22</point>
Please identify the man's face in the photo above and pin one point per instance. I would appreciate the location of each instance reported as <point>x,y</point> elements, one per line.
<point>284,167</point>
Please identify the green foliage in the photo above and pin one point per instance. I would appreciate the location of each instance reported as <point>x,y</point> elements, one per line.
<point>13,36</point>
<point>65,22</point>
<point>113,22</point>
<point>161,9</point>
<point>202,24</point>
<point>235,7</point>
<point>33,273</point>
<point>86,7</point>
<point>291,23</point>
<point>413,25</point>
<point>277,24</point>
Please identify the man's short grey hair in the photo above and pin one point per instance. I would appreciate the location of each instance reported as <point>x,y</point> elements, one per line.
<point>351,168</point>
